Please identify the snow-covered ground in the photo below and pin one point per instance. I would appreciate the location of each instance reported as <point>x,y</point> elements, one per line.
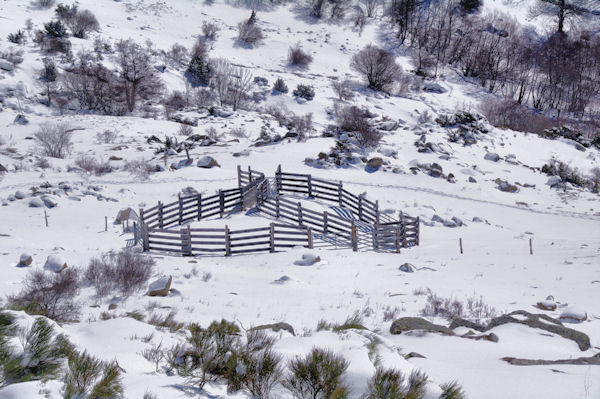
<point>563,224</point>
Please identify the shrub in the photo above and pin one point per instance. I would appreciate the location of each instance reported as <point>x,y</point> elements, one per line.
<point>17,38</point>
<point>176,101</point>
<point>44,3</point>
<point>66,12</point>
<point>42,163</point>
<point>107,137</point>
<point>316,376</point>
<point>300,124</point>
<point>166,321</point>
<point>87,377</point>
<point>391,384</point>
<point>185,130</point>
<point>507,113</point>
<point>299,57</point>
<point>140,168</point>
<point>91,165</point>
<point>249,32</point>
<point>124,272</point>
<point>451,308</point>
<point>470,6</point>
<point>352,322</point>
<point>304,91</point>
<point>377,66</point>
<point>49,294</point>
<point>155,355</point>
<point>342,89</point>
<point>83,23</point>
<point>178,54</point>
<point>280,86</point>
<point>54,140</point>
<point>210,30</point>
<point>14,56</point>
<point>55,29</point>
<point>200,68</point>
<point>452,390</point>
<point>353,119</point>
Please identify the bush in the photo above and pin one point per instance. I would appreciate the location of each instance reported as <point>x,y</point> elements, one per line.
<point>107,137</point>
<point>300,124</point>
<point>200,68</point>
<point>87,377</point>
<point>352,322</point>
<point>304,91</point>
<point>54,140</point>
<point>280,86</point>
<point>185,130</point>
<point>56,29</point>
<point>83,23</point>
<point>17,38</point>
<point>452,390</point>
<point>44,3</point>
<point>391,384</point>
<point>451,308</point>
<point>39,358</point>
<point>176,101</point>
<point>210,30</point>
<point>316,376</point>
<point>298,57</point>
<point>507,113</point>
<point>377,66</point>
<point>140,168</point>
<point>470,6</point>
<point>249,32</point>
<point>342,89</point>
<point>91,165</point>
<point>353,119</point>
<point>49,294</point>
<point>124,272</point>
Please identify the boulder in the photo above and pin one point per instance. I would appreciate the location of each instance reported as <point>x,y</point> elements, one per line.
<point>472,179</point>
<point>160,287</point>
<point>414,354</point>
<point>406,324</point>
<point>573,315</point>
<point>55,263</point>
<point>49,201</point>
<point>20,195</point>
<point>437,218</point>
<point>36,203</point>
<point>435,170</point>
<point>25,260</point>
<point>546,305</point>
<point>21,119</point>
<point>3,169</point>
<point>450,223</point>
<point>457,220</point>
<point>308,259</point>
<point>276,327</point>
<point>433,87</point>
<point>6,66</point>
<point>207,162</point>
<point>507,187</point>
<point>492,156</point>
<point>112,306</point>
<point>374,163</point>
<point>553,181</point>
<point>407,268</point>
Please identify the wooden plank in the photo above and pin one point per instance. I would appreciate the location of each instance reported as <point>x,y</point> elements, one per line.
<point>200,249</point>
<point>249,244</point>
<point>283,174</point>
<point>246,238</point>
<point>175,244</point>
<point>249,230</point>
<point>272,237</point>
<point>208,229</point>
<point>155,248</point>
<point>288,239</point>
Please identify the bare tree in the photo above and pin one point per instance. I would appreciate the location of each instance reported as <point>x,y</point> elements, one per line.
<point>140,79</point>
<point>239,87</point>
<point>371,7</point>
<point>563,10</point>
<point>342,89</point>
<point>249,32</point>
<point>377,66</point>
<point>221,79</point>
<point>54,140</point>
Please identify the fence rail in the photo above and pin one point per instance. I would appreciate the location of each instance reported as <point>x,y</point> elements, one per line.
<point>157,229</point>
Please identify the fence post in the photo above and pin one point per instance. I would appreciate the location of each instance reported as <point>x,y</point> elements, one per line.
<point>360,208</point>
<point>299,213</point>
<point>377,211</point>
<point>272,238</point>
<point>199,199</point>
<point>309,233</point>
<point>278,179</point>
<point>325,222</point>
<point>135,237</point>
<point>277,207</point>
<point>375,242</point>
<point>398,227</point>
<point>340,194</point>
<point>530,247</point>
<point>239,172</point>
<point>460,245</point>
<point>227,242</point>
<point>354,238</point>
<point>189,240</point>
<point>221,203</point>
<point>180,208</point>
<point>145,237</point>
<point>160,214</point>
<point>184,242</point>
<point>310,186</point>
<point>403,226</point>
<point>250,173</point>
<point>418,227</point>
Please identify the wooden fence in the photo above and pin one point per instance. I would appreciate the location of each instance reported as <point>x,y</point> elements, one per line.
<point>365,227</point>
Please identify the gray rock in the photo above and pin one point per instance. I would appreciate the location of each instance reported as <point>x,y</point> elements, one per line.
<point>25,260</point>
<point>553,181</point>
<point>472,179</point>
<point>36,203</point>
<point>20,195</point>
<point>21,119</point>
<point>458,221</point>
<point>450,223</point>
<point>433,87</point>
<point>49,201</point>
<point>374,163</point>
<point>55,263</point>
<point>405,324</point>
<point>160,287</point>
<point>207,162</point>
<point>112,306</point>
<point>414,354</point>
<point>584,361</point>
<point>3,169</point>
<point>492,156</point>
<point>276,327</point>
<point>437,218</point>
<point>407,268</point>
<point>6,66</point>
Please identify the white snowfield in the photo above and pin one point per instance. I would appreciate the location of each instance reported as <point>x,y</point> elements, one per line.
<point>563,225</point>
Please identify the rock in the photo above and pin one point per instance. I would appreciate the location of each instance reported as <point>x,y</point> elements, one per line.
<point>3,169</point>
<point>207,162</point>
<point>55,264</point>
<point>546,305</point>
<point>437,218</point>
<point>25,260</point>
<point>486,337</point>
<point>458,221</point>
<point>20,195</point>
<point>387,126</point>
<point>492,156</point>
<point>585,361</point>
<point>160,287</point>
<point>21,119</point>
<point>507,187</point>
<point>388,152</point>
<point>572,315</point>
<point>49,201</point>
<point>450,178</point>
<point>433,87</point>
<point>36,203</point>
<point>435,170</point>
<point>407,268</point>
<point>6,66</point>
<point>308,259</point>
<point>243,153</point>
<point>472,179</point>
<point>450,223</point>
<point>276,327</point>
<point>553,181</point>
<point>405,324</point>
<point>477,219</point>
<point>282,280</point>
<point>112,306</point>
<point>414,354</point>
<point>374,163</point>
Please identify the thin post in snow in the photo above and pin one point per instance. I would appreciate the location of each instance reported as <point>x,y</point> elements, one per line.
<point>105,222</point>
<point>460,245</point>
<point>46,217</point>
<point>530,247</point>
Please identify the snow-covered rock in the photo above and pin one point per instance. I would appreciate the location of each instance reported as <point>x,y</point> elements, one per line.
<point>25,259</point>
<point>49,201</point>
<point>573,315</point>
<point>207,162</point>
<point>308,259</point>
<point>433,87</point>
<point>492,156</point>
<point>553,181</point>
<point>407,268</point>
<point>35,202</point>
<point>6,66</point>
<point>20,194</point>
<point>160,287</point>
<point>55,263</point>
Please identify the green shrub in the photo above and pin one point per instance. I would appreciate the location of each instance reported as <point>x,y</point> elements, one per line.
<point>90,378</point>
<point>352,322</point>
<point>386,384</point>
<point>304,91</point>
<point>452,390</point>
<point>280,86</point>
<point>317,375</point>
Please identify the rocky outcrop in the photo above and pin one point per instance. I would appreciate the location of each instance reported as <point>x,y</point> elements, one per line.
<point>406,324</point>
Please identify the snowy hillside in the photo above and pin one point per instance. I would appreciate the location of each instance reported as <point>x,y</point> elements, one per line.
<point>509,220</point>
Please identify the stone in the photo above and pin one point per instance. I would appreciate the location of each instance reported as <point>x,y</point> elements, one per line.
<point>3,169</point>
<point>207,162</point>
<point>374,163</point>
<point>546,305</point>
<point>433,87</point>
<point>553,181</point>
<point>492,156</point>
<point>281,326</point>
<point>573,315</point>
<point>21,119</point>
<point>6,66</point>
<point>49,201</point>
<point>406,324</point>
<point>472,179</point>
<point>437,218</point>
<point>407,268</point>
<point>160,287</point>
<point>112,306</point>
<point>585,361</point>
<point>55,263</point>
<point>20,195</point>
<point>414,354</point>
<point>507,187</point>
<point>458,221</point>
<point>387,126</point>
<point>36,203</point>
<point>25,260</point>
<point>308,259</point>
<point>435,170</point>
<point>450,223</point>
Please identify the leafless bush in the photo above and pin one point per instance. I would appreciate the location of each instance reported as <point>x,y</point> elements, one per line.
<point>299,57</point>
<point>49,294</point>
<point>506,113</point>
<point>123,272</point>
<point>107,137</point>
<point>213,134</point>
<point>342,89</point>
<point>54,140</point>
<point>377,66</point>
<point>178,54</point>
<point>210,30</point>
<point>301,124</point>
<point>390,313</point>
<point>176,101</point>
<point>44,3</point>
<point>249,32</point>
<point>451,308</point>
<point>204,97</point>
<point>185,130</point>
<point>92,165</point>
<point>353,119</point>
<point>12,55</point>
<point>279,111</point>
<point>238,132</point>
<point>42,163</point>
<point>83,23</point>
